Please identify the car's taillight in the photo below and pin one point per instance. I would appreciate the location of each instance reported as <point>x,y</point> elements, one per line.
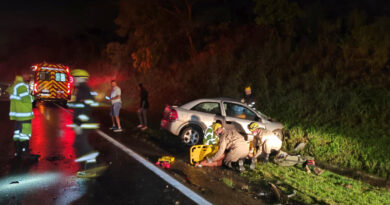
<point>172,115</point>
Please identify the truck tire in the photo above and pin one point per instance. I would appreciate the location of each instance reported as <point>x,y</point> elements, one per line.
<point>191,135</point>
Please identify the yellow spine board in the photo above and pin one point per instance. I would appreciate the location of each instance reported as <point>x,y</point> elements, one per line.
<point>200,152</point>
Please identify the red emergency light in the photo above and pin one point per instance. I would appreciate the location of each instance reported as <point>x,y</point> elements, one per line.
<point>35,88</point>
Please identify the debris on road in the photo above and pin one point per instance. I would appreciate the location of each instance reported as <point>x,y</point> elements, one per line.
<point>165,162</point>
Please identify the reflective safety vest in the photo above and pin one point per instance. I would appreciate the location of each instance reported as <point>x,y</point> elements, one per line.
<point>20,101</point>
<point>82,105</point>
<point>209,137</point>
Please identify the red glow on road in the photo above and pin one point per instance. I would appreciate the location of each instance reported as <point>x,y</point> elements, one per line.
<point>53,141</point>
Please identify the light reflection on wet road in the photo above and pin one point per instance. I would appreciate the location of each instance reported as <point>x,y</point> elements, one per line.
<point>52,180</point>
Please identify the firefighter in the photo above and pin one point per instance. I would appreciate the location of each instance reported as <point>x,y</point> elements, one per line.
<point>83,122</point>
<point>265,141</point>
<point>249,97</point>
<point>231,142</point>
<point>210,138</point>
<point>22,113</point>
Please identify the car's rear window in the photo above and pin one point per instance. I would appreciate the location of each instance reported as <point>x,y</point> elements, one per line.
<point>208,107</point>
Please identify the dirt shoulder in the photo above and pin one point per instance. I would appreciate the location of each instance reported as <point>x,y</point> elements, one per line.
<point>223,186</point>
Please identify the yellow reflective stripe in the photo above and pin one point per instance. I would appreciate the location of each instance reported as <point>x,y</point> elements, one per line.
<point>23,94</point>
<point>95,104</point>
<point>83,117</point>
<point>21,114</point>
<point>90,125</point>
<point>76,105</point>
<point>17,86</point>
<point>88,101</point>
<point>14,97</point>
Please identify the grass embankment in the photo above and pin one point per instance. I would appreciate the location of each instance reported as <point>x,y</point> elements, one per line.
<point>344,126</point>
<point>328,188</point>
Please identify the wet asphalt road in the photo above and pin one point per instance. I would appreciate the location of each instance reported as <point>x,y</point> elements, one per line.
<point>52,180</point>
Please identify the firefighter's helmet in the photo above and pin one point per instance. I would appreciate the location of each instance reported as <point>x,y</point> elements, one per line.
<point>248,88</point>
<point>253,126</point>
<point>215,126</point>
<point>80,73</point>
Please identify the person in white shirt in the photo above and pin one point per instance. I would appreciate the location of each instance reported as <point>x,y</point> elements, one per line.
<point>116,104</point>
<point>266,142</point>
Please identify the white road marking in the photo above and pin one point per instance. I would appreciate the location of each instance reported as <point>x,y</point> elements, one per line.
<point>179,186</point>
<point>172,181</point>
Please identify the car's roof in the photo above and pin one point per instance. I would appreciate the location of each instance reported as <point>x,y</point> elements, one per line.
<point>192,103</point>
<point>226,99</point>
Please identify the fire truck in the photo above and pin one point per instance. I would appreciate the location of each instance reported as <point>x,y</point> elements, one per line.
<point>51,82</point>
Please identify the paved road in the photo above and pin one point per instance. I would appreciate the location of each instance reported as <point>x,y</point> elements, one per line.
<point>52,180</point>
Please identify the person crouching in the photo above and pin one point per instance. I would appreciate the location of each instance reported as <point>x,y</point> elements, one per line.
<point>231,143</point>
<point>265,141</point>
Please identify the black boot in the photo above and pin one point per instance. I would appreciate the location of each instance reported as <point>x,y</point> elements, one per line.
<point>26,152</point>
<point>18,149</point>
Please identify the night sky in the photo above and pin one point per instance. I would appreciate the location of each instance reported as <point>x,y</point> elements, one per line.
<point>30,26</point>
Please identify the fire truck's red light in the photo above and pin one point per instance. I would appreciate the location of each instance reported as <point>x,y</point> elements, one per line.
<point>68,88</point>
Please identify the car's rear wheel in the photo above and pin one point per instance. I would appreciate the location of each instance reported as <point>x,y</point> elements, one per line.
<point>191,135</point>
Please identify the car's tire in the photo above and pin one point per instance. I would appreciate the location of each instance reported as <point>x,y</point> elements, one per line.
<point>191,135</point>
<point>278,133</point>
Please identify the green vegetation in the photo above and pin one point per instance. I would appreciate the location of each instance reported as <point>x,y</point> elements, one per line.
<point>228,182</point>
<point>321,69</point>
<point>328,188</point>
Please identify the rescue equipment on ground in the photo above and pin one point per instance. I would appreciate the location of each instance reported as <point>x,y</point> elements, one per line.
<point>93,172</point>
<point>200,152</point>
<point>52,82</point>
<point>165,162</point>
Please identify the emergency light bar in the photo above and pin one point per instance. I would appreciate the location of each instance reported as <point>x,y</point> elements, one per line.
<point>56,69</point>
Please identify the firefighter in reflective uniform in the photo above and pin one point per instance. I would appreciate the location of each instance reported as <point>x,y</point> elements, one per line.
<point>21,111</point>
<point>265,141</point>
<point>249,98</point>
<point>210,138</point>
<point>83,123</point>
<point>231,142</point>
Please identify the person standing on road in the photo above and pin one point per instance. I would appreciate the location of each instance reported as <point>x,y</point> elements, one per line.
<point>265,141</point>
<point>21,112</point>
<point>116,104</point>
<point>83,123</point>
<point>144,106</point>
<point>249,97</point>
<point>235,146</point>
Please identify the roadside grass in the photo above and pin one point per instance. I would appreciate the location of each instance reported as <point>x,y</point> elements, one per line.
<point>228,182</point>
<point>345,126</point>
<point>328,188</point>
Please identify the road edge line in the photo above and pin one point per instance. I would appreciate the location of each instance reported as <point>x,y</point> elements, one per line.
<point>166,177</point>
